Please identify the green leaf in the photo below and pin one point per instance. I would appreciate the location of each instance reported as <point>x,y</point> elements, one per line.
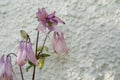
<point>30,66</point>
<point>39,48</point>
<point>41,63</point>
<point>24,35</point>
<point>44,55</point>
<point>30,63</point>
<point>46,48</point>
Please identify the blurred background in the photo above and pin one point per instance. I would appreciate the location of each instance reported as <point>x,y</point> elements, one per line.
<point>92,33</point>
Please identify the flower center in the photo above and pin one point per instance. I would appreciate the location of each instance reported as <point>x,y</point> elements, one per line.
<point>50,24</point>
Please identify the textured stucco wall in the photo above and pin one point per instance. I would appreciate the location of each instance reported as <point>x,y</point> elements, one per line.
<point>92,33</point>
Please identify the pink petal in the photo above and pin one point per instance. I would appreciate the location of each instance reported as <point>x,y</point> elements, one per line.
<point>21,56</point>
<point>59,45</point>
<point>2,59</point>
<point>8,68</point>
<point>30,54</point>
<point>52,15</point>
<point>65,49</point>
<point>44,12</point>
<point>2,69</point>
<point>59,20</point>
<point>41,28</point>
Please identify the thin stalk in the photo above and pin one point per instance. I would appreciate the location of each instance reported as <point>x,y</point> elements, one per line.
<point>44,43</point>
<point>21,72</point>
<point>33,76</point>
<point>12,54</point>
<point>19,66</point>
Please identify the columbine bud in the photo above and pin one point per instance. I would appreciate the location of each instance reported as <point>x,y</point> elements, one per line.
<point>24,35</point>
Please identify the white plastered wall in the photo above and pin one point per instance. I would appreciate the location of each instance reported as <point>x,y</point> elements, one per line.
<point>92,33</point>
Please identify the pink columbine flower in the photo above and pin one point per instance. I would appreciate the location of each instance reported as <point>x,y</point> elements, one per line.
<point>46,20</point>
<point>5,68</point>
<point>59,45</point>
<point>26,53</point>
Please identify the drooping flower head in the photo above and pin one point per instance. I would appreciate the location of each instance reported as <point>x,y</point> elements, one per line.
<point>47,20</point>
<point>59,45</point>
<point>5,68</point>
<point>26,53</point>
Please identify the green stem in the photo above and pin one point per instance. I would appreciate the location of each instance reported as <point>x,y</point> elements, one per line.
<point>19,66</point>
<point>21,72</point>
<point>33,76</point>
<point>44,43</point>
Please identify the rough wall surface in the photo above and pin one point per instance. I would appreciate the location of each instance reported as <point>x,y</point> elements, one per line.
<point>92,33</point>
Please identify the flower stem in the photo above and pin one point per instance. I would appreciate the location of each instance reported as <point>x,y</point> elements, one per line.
<point>21,72</point>
<point>44,43</point>
<point>19,66</point>
<point>33,76</point>
<point>12,54</point>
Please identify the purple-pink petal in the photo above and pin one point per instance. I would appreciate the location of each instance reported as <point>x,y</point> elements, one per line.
<point>41,28</point>
<point>21,56</point>
<point>31,54</point>
<point>26,53</point>
<point>49,21</point>
<point>52,15</point>
<point>59,45</point>
<point>59,20</point>
<point>6,68</point>
<point>41,14</point>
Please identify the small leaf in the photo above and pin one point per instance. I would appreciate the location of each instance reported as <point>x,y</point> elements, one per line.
<point>24,35</point>
<point>41,63</point>
<point>30,63</point>
<point>46,48</point>
<point>30,66</point>
<point>44,55</point>
<point>39,48</point>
